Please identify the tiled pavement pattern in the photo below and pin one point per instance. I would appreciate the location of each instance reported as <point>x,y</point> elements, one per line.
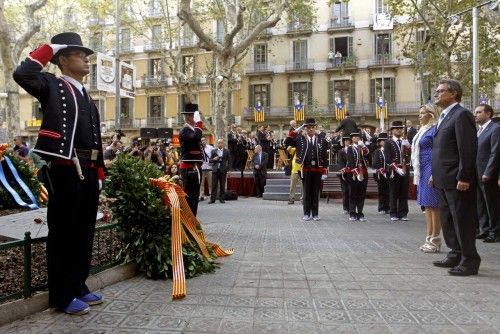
<point>289,276</point>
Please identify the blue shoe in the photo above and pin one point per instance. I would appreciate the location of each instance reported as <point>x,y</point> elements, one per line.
<point>77,307</point>
<point>92,298</point>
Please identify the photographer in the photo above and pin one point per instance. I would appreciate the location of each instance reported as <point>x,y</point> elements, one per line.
<point>110,153</point>
<point>152,153</point>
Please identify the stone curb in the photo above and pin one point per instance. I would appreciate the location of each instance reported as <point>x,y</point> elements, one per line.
<point>39,302</point>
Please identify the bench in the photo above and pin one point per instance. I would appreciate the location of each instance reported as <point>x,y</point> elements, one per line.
<point>331,186</point>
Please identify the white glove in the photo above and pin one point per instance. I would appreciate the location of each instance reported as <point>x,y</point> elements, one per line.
<point>57,47</point>
<point>100,185</point>
<point>324,177</point>
<point>197,117</point>
<point>360,143</point>
<point>405,142</point>
<point>300,128</point>
<point>400,171</point>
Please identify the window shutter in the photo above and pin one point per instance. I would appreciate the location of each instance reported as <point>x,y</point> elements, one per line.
<point>331,101</point>
<point>372,90</point>
<point>309,94</point>
<point>349,47</point>
<point>162,107</point>
<point>332,44</point>
<point>393,90</point>
<point>149,106</point>
<point>290,94</point>
<point>251,97</point>
<point>268,92</point>
<point>352,92</point>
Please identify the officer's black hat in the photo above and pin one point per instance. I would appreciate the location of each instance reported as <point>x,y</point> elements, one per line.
<point>345,138</point>
<point>382,136</point>
<point>190,108</point>
<point>355,133</point>
<point>397,125</point>
<point>310,121</point>
<point>72,40</point>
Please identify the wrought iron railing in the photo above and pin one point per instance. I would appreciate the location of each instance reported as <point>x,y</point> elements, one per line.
<point>107,245</point>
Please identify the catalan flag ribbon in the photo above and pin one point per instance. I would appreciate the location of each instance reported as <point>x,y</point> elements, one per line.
<point>259,113</point>
<point>381,107</point>
<point>298,112</point>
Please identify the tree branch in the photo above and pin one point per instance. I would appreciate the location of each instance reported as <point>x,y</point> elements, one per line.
<point>228,40</point>
<point>31,30</point>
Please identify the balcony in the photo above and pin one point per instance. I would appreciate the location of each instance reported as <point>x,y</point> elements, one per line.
<point>303,65</point>
<point>343,64</point>
<point>153,47</point>
<point>295,29</point>
<point>32,124</point>
<point>156,121</point>
<point>385,60</point>
<point>155,12</point>
<point>340,24</point>
<point>97,21</point>
<point>126,48</point>
<point>157,81</point>
<point>190,42</point>
<point>259,69</point>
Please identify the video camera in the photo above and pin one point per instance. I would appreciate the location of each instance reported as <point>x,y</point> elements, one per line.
<point>119,134</point>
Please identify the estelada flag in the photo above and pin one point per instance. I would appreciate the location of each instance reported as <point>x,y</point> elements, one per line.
<point>298,112</point>
<point>259,113</point>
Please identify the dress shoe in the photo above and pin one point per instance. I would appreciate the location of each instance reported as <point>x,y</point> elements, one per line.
<point>222,201</point>
<point>492,238</point>
<point>362,218</point>
<point>394,219</point>
<point>258,196</point>
<point>202,199</point>
<point>482,235</point>
<point>353,218</point>
<point>446,263</point>
<point>77,307</point>
<point>316,218</point>
<point>306,218</point>
<point>405,219</point>
<point>211,202</point>
<point>92,298</point>
<point>461,271</point>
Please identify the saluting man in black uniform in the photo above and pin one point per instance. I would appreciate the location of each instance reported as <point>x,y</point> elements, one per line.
<point>69,139</point>
<point>313,157</point>
<point>191,154</point>
<point>378,163</point>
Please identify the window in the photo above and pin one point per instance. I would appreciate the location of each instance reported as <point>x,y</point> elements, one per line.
<point>300,92</point>
<point>260,93</point>
<point>154,7</point>
<point>376,89</point>
<point>101,107</point>
<point>300,54</point>
<point>36,112</point>
<point>156,35</point>
<point>126,112</point>
<point>427,89</point>
<point>340,14</point>
<point>383,47</point>
<point>125,44</point>
<point>260,56</point>
<point>93,76</point>
<point>187,36</point>
<point>342,45</point>
<point>188,66</point>
<point>381,6</point>
<point>155,68</point>
<point>155,108</point>
<point>341,89</point>
<point>220,31</point>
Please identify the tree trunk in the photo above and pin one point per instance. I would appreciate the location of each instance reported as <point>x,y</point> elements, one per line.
<point>222,89</point>
<point>13,122</point>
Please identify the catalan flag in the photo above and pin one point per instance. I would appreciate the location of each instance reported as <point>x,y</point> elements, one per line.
<point>381,107</point>
<point>259,113</point>
<point>298,112</point>
<point>340,110</point>
<point>484,100</point>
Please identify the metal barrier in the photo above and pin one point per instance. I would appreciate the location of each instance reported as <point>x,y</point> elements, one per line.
<point>105,255</point>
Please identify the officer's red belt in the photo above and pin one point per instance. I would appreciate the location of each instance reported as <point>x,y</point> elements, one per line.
<point>313,169</point>
<point>65,162</point>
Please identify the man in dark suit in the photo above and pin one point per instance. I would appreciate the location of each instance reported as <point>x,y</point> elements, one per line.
<point>454,154</point>
<point>69,140</point>
<point>220,164</point>
<point>410,131</point>
<point>259,166</point>
<point>347,125</point>
<point>191,156</point>
<point>488,166</point>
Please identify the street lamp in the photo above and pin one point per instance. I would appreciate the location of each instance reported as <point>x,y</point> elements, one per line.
<point>454,20</point>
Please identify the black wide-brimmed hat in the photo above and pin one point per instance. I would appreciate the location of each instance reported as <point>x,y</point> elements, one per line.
<point>310,121</point>
<point>382,136</point>
<point>346,138</point>
<point>356,132</point>
<point>397,125</point>
<point>190,108</point>
<point>72,40</point>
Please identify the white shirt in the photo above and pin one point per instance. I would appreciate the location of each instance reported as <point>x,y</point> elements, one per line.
<point>208,150</point>
<point>482,127</point>
<point>74,82</point>
<point>311,139</point>
<point>445,113</point>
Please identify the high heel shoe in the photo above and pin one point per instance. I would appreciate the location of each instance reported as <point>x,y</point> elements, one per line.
<point>434,245</point>
<point>427,239</point>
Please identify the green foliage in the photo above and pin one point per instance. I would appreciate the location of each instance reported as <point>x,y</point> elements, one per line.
<point>27,174</point>
<point>145,223</point>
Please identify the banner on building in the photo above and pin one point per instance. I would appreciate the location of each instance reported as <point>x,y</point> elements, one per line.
<point>340,111</point>
<point>381,107</point>
<point>259,113</point>
<point>105,76</point>
<point>298,112</point>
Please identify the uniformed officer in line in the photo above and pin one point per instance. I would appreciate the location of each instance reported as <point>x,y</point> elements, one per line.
<point>378,163</point>
<point>69,140</point>
<point>357,163</point>
<point>312,155</point>
<point>344,172</point>
<point>397,152</point>
<point>191,156</point>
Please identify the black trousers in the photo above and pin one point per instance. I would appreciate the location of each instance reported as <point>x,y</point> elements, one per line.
<point>218,179</point>
<point>357,194</point>
<point>383,192</point>
<point>191,185</point>
<point>260,182</point>
<point>459,222</point>
<point>488,207</point>
<point>398,195</point>
<point>311,183</point>
<point>345,193</point>
<point>71,217</point>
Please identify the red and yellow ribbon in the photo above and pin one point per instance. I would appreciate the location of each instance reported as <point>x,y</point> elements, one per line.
<point>182,216</point>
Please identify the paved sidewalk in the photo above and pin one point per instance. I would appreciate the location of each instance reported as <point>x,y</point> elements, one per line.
<point>289,276</point>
